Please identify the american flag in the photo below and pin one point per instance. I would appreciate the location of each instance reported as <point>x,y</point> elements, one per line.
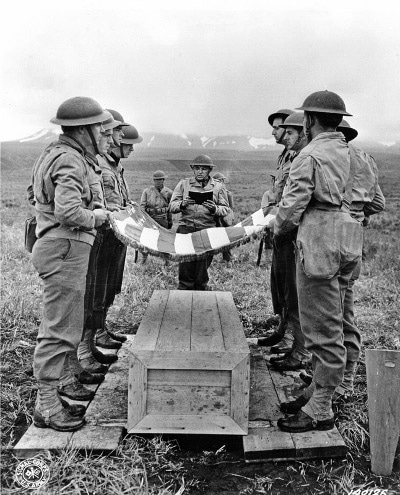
<point>137,229</point>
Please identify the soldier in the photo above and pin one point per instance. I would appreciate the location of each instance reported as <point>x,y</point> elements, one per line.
<point>66,223</point>
<point>284,265</point>
<point>155,201</point>
<point>193,275</point>
<point>226,255</point>
<point>112,253</point>
<point>329,243</point>
<point>281,336</point>
<point>367,200</point>
<point>90,358</point>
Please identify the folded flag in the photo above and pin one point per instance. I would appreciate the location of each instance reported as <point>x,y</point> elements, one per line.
<point>136,228</point>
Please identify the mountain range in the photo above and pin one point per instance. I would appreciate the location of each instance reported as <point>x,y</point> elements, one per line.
<point>187,141</point>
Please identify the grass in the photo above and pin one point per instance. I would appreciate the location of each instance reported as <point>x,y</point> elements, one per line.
<point>159,465</point>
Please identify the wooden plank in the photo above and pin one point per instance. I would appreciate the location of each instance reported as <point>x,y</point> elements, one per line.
<point>264,403</point>
<point>38,439</point>
<point>176,323</point>
<point>318,444</point>
<point>110,404</point>
<point>191,424</point>
<point>201,378</point>
<point>167,399</point>
<point>97,438</point>
<point>239,410</point>
<point>383,386</point>
<point>190,361</point>
<point>268,444</point>
<point>231,326</point>
<point>286,385</point>
<point>137,392</point>
<point>146,337</point>
<point>206,332</point>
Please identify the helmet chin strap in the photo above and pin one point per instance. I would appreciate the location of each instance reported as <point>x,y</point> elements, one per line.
<point>94,142</point>
<point>280,140</point>
<point>121,150</point>
<point>307,129</point>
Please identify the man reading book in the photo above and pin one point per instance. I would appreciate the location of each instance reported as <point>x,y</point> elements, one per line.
<point>198,214</point>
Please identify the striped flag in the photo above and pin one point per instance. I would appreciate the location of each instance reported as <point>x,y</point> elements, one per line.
<point>136,228</point>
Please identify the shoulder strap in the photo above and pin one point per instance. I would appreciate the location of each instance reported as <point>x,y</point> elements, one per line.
<point>348,193</point>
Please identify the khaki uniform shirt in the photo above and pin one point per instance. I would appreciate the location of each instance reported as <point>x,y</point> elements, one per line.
<point>63,193</point>
<point>198,216</point>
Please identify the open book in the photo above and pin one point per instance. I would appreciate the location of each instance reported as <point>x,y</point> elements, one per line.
<point>201,196</point>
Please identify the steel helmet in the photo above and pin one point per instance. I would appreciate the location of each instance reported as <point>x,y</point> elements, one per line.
<point>295,119</point>
<point>159,174</point>
<point>117,116</point>
<point>324,102</point>
<point>131,135</point>
<point>219,176</point>
<point>349,132</point>
<point>202,160</point>
<point>110,123</point>
<point>79,110</point>
<point>282,113</point>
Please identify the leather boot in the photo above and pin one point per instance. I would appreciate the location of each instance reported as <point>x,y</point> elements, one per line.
<point>60,421</point>
<point>276,336</point>
<point>76,391</point>
<point>88,378</point>
<point>104,358</point>
<point>301,422</point>
<point>75,410</point>
<point>90,365</point>
<point>104,340</point>
<point>116,336</point>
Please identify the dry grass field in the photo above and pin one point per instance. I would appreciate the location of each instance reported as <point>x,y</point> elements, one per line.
<point>210,466</point>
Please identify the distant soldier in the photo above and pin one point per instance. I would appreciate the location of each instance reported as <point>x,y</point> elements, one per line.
<point>193,275</point>
<point>284,266</point>
<point>281,336</point>
<point>155,201</point>
<point>66,228</point>
<point>226,255</point>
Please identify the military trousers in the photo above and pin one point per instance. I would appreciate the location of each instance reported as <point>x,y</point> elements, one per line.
<point>109,275</point>
<point>284,289</point>
<point>352,335</point>
<point>62,265</point>
<point>193,275</point>
<point>321,310</point>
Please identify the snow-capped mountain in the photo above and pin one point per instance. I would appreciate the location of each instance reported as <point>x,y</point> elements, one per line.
<point>163,140</point>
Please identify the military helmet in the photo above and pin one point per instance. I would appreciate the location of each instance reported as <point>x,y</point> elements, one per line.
<point>295,119</point>
<point>349,132</point>
<point>79,110</point>
<point>282,113</point>
<point>159,174</point>
<point>202,160</point>
<point>324,102</point>
<point>219,176</point>
<point>131,135</point>
<point>117,116</point>
<point>110,123</point>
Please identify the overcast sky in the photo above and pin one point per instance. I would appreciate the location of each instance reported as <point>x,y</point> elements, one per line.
<point>209,67</point>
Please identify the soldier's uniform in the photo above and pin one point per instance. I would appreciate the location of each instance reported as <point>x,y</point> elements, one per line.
<point>193,275</point>
<point>155,203</point>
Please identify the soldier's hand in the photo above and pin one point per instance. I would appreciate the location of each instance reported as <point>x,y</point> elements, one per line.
<point>210,205</point>
<point>114,208</point>
<point>100,216</point>
<point>187,201</point>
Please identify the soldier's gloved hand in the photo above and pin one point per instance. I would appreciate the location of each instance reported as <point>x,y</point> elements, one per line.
<point>100,216</point>
<point>187,201</point>
<point>210,205</point>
